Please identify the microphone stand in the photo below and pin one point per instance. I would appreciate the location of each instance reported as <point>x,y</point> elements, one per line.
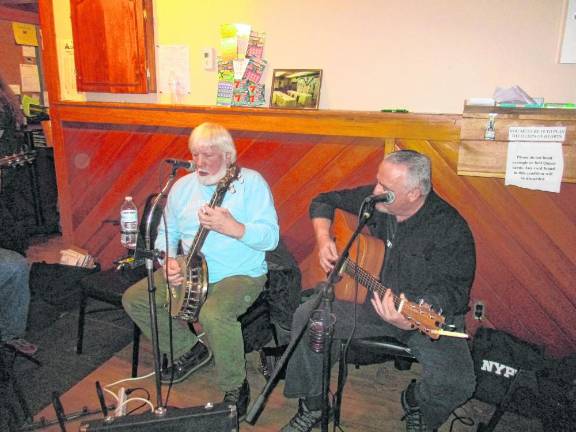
<point>149,255</point>
<point>326,297</point>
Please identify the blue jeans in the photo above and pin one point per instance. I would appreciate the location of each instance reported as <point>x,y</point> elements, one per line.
<point>447,379</point>
<point>14,294</point>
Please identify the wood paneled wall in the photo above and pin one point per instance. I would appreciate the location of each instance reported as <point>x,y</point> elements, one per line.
<point>525,239</point>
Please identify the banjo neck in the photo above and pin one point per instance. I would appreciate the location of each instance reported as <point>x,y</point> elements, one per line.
<point>216,200</point>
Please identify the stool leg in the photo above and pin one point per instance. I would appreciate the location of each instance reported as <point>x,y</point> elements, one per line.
<point>135,350</point>
<point>342,372</point>
<point>81,317</point>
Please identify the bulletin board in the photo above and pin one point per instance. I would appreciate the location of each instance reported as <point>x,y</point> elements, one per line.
<point>12,57</point>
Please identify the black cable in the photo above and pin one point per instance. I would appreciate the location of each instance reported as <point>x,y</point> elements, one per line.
<point>466,421</point>
<point>132,390</point>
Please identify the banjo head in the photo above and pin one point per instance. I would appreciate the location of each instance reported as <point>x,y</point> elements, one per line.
<point>188,298</point>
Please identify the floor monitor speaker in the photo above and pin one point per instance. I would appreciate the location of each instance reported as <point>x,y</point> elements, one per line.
<point>210,417</point>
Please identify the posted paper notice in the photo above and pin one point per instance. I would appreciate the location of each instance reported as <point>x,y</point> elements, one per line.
<point>30,80</point>
<point>535,165</point>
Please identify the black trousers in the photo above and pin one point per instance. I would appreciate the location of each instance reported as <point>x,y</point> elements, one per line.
<point>447,379</point>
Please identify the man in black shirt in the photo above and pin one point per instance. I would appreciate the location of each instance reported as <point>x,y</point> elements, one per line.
<point>430,256</point>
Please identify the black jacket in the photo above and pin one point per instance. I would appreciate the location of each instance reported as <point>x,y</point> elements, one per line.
<point>430,256</point>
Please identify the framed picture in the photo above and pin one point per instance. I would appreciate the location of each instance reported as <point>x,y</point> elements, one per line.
<point>296,88</point>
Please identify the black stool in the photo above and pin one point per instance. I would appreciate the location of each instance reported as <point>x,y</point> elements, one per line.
<point>365,351</point>
<point>109,286</point>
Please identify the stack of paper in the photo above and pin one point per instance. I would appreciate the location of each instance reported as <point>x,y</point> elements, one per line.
<point>77,257</point>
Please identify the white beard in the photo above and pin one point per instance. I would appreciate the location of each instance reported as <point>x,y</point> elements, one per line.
<point>214,178</point>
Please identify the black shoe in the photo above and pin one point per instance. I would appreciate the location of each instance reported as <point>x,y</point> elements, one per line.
<point>304,420</point>
<point>239,397</point>
<point>193,360</point>
<point>412,414</point>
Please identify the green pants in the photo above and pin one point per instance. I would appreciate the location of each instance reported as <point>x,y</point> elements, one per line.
<point>226,301</point>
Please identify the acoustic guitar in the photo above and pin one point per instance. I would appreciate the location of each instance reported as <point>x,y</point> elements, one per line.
<point>365,259</point>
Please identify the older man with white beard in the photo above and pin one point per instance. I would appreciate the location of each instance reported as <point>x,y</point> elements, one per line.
<point>241,229</point>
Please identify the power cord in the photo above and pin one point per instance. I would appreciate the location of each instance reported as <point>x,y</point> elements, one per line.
<point>465,420</point>
<point>147,397</point>
<point>122,399</point>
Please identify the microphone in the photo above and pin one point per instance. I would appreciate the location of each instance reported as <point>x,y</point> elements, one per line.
<point>188,165</point>
<point>386,198</point>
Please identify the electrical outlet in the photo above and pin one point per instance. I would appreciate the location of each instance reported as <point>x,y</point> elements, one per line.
<point>479,311</point>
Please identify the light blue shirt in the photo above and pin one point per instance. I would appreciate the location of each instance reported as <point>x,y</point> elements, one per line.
<point>249,200</point>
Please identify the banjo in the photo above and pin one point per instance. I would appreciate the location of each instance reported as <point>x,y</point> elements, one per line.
<point>188,298</point>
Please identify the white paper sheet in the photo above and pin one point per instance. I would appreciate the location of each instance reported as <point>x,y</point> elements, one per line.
<point>15,88</point>
<point>28,51</point>
<point>30,78</point>
<point>535,165</point>
<point>174,69</point>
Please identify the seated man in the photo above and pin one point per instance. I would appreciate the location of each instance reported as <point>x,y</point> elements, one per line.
<point>241,230</point>
<point>430,256</point>
<point>14,301</point>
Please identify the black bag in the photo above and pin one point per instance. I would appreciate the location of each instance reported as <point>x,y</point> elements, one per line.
<point>557,386</point>
<point>505,371</point>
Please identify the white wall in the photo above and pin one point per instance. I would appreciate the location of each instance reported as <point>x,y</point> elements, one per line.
<point>422,55</point>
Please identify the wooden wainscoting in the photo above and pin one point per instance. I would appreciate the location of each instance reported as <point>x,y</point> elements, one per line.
<point>525,239</point>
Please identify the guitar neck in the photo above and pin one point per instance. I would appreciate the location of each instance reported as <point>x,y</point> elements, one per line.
<point>367,280</point>
<point>421,315</point>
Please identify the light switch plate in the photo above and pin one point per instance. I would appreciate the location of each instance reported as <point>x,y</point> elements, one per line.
<point>208,58</point>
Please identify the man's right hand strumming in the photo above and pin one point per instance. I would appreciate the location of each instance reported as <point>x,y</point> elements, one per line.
<point>172,267</point>
<point>327,252</point>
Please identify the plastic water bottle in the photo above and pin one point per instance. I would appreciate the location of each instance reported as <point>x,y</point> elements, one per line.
<point>128,223</point>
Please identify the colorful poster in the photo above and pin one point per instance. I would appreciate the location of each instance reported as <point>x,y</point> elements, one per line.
<point>225,83</point>
<point>255,45</point>
<point>247,93</point>
<point>234,41</point>
<point>255,69</point>
<point>243,36</point>
<point>240,67</point>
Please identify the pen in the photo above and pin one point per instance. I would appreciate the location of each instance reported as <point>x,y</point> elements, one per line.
<point>399,110</point>
<point>560,105</point>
